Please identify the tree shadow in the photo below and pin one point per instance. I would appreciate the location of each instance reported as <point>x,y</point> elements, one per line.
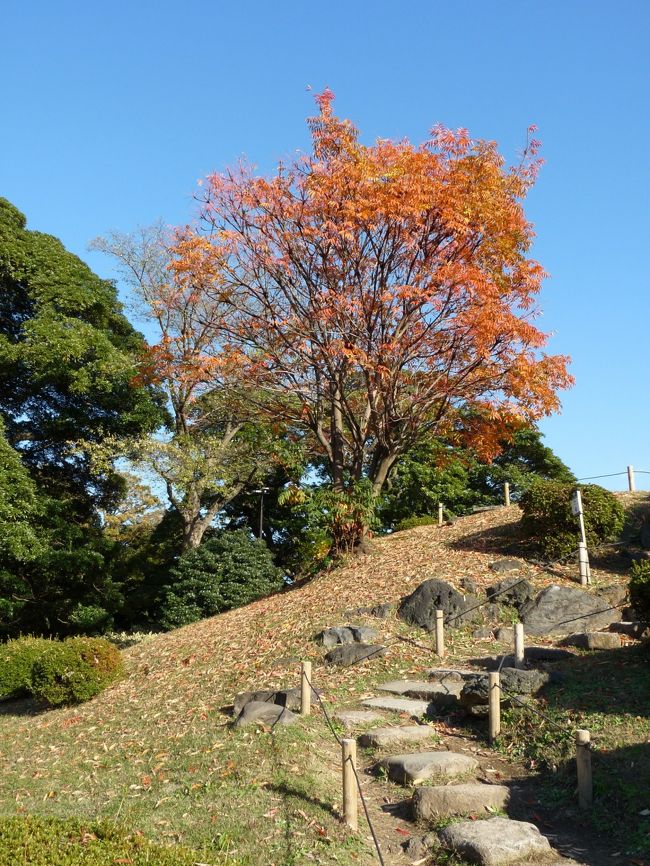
<point>22,707</point>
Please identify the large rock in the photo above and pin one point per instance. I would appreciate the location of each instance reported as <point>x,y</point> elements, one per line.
<point>594,640</point>
<point>475,690</point>
<point>506,566</point>
<point>512,591</point>
<point>330,637</point>
<point>441,694</point>
<point>380,738</point>
<point>418,847</point>
<point>289,698</point>
<point>261,712</point>
<point>352,653</point>
<point>380,611</point>
<point>414,768</point>
<point>445,801</point>
<point>564,609</point>
<point>419,608</point>
<point>495,841</point>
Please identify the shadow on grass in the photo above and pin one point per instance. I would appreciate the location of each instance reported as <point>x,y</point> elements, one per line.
<point>23,707</point>
<point>287,791</point>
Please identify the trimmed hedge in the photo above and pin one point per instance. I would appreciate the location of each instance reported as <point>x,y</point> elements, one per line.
<point>412,522</point>
<point>70,842</point>
<point>547,519</point>
<point>75,670</point>
<point>17,658</point>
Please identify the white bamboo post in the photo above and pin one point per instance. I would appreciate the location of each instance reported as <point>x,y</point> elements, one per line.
<point>506,493</point>
<point>440,513</point>
<point>583,763</point>
<point>305,688</point>
<point>440,634</point>
<point>583,561</point>
<point>350,805</point>
<point>519,645</point>
<point>494,704</point>
<point>630,479</point>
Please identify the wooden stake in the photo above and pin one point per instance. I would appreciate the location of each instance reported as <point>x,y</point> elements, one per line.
<point>440,634</point>
<point>519,645</point>
<point>583,561</point>
<point>494,705</point>
<point>305,689</point>
<point>440,513</point>
<point>349,753</point>
<point>630,479</point>
<point>506,493</point>
<point>583,763</point>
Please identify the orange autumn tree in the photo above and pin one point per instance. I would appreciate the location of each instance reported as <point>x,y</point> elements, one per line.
<point>385,292</point>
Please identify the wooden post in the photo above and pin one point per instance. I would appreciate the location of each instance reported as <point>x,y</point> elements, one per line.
<point>506,493</point>
<point>630,479</point>
<point>349,753</point>
<point>583,763</point>
<point>519,645</point>
<point>305,689</point>
<point>440,634</point>
<point>494,705</point>
<point>583,561</point>
<point>440,513</point>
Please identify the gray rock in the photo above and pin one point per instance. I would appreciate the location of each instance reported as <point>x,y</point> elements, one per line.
<point>330,637</point>
<point>635,630</point>
<point>352,718</point>
<point>483,633</point>
<point>513,681</point>
<point>495,841</point>
<point>441,693</point>
<point>593,640</point>
<point>380,738</point>
<point>419,608</point>
<point>448,675</point>
<point>546,654</point>
<point>418,767</point>
<point>444,801</point>
<point>470,586</point>
<point>289,698</point>
<point>614,594</point>
<point>256,712</point>
<point>352,653</point>
<point>417,847</point>
<point>562,609</point>
<point>513,591</point>
<point>380,611</point>
<point>505,634</point>
<point>505,566</point>
<point>417,709</point>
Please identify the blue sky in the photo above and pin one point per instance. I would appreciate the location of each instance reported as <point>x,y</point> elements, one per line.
<point>112,111</point>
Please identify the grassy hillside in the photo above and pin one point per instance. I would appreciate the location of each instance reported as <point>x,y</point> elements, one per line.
<point>156,754</point>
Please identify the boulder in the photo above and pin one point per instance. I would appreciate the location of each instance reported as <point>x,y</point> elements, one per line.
<point>562,609</point>
<point>514,681</point>
<point>505,566</point>
<point>594,640</point>
<point>419,608</point>
<point>261,712</point>
<point>289,698</point>
<point>380,611</point>
<point>417,847</point>
<point>470,586</point>
<point>495,841</point>
<point>512,591</point>
<point>445,801</point>
<point>483,633</point>
<point>448,675</point>
<point>443,694</point>
<point>352,653</point>
<point>417,767</point>
<point>330,637</point>
<point>505,634</point>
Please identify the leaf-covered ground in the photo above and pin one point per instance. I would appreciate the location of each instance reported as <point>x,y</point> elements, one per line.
<point>155,752</point>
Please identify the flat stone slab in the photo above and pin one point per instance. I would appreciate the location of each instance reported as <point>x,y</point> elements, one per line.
<point>352,718</point>
<point>594,640</point>
<point>441,693</point>
<point>418,767</point>
<point>353,653</point>
<point>448,675</point>
<point>399,705</point>
<point>495,841</point>
<point>381,737</point>
<point>261,712</point>
<point>444,801</point>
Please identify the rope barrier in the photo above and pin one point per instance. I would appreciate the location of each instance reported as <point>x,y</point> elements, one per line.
<point>610,475</point>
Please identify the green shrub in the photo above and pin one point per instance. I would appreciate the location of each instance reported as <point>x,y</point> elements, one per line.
<point>17,658</point>
<point>640,590</point>
<point>420,520</point>
<point>555,531</point>
<point>228,570</point>
<point>71,842</point>
<point>75,670</point>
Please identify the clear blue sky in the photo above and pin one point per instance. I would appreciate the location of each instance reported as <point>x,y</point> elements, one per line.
<point>112,111</point>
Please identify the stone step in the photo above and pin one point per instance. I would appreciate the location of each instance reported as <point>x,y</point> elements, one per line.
<point>261,712</point>
<point>593,640</point>
<point>379,738</point>
<point>352,718</point>
<point>414,708</point>
<point>495,841</point>
<point>417,767</point>
<point>445,801</point>
<point>440,693</point>
<point>448,675</point>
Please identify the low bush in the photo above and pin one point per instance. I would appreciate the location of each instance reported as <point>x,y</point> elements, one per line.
<point>640,590</point>
<point>547,519</point>
<point>228,570</point>
<point>64,842</point>
<point>420,520</point>
<point>17,658</point>
<point>75,670</point>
